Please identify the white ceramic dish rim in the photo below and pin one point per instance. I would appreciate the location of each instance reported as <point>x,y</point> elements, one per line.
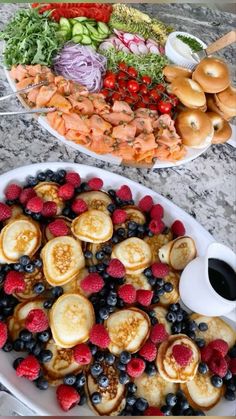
<point>44,403</point>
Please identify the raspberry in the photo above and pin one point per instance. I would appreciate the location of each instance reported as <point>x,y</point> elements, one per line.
<point>26,195</point>
<point>232,365</point>
<point>35,204</point>
<point>95,183</point>
<point>128,293</point>
<point>178,228</point>
<point>218,365</point>
<point>14,282</point>
<point>66,191</point>
<point>92,283</point>
<point>73,178</point>
<point>58,228</point>
<point>136,367</point>
<point>49,209</point>
<point>156,226</point>
<point>146,203</point>
<point>206,353</point>
<point>99,336</point>
<point>28,368</point>
<point>36,321</point>
<point>228,359</point>
<point>124,193</point>
<point>160,270</point>
<point>67,397</point>
<point>13,191</point>
<point>119,216</point>
<point>157,212</point>
<point>5,212</point>
<point>182,354</point>
<point>148,351</point>
<point>116,268</point>
<point>144,297</point>
<point>158,333</point>
<point>220,346</point>
<point>82,354</point>
<point>153,411</point>
<point>79,206</point>
<point>3,334</point>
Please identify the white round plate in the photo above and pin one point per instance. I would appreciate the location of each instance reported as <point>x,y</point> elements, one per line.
<point>44,403</point>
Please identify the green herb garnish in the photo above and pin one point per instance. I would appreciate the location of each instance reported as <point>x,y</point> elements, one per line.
<point>191,42</point>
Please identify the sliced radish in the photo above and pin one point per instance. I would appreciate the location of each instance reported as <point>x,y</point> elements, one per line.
<point>139,38</point>
<point>142,48</point>
<point>128,37</point>
<point>134,48</point>
<point>154,50</point>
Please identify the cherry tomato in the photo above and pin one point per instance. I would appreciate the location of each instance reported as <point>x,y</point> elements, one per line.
<point>129,100</point>
<point>146,80</point>
<point>143,89</point>
<point>145,98</point>
<point>174,100</point>
<point>154,95</point>
<point>140,105</point>
<point>121,75</point>
<point>164,107</point>
<point>105,92</point>
<point>133,86</point>
<point>117,96</point>
<point>160,88</point>
<point>122,85</point>
<point>135,97</point>
<point>123,66</point>
<point>132,72</point>
<point>153,107</point>
<point>109,82</point>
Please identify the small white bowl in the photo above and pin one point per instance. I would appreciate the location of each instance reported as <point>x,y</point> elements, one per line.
<point>178,52</point>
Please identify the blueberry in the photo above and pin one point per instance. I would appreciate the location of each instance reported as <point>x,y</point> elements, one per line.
<point>103,381</point>
<point>45,355</point>
<point>150,233</point>
<point>154,320</point>
<point>216,381</point>
<point>131,233</point>
<point>36,349</point>
<point>232,352</point>
<point>66,212</point>
<point>88,254</point>
<point>179,317</point>
<point>176,328</point>
<point>41,176</point>
<point>121,232</point>
<point>192,326</point>
<point>121,366</point>
<point>24,260</point>
<point>111,208</point>
<point>168,287</point>
<point>112,193</point>
<point>96,398</point>
<point>110,358</point>
<point>44,336</point>
<point>69,379</point>
<point>17,362</point>
<point>141,229</point>
<point>131,388</point>
<point>104,313</point>
<point>166,410</point>
<point>203,368</point>
<point>32,181</point>
<point>83,399</point>
<point>171,399</point>
<point>93,349</point>
<point>57,291</point>
<point>159,292</point>
<point>107,249</point>
<point>115,239</point>
<point>199,413</point>
<point>184,404</point>
<point>152,313</point>
<point>37,217</point>
<point>230,395</point>
<point>7,347</point>
<point>192,335</point>
<point>120,303</point>
<point>174,307</point>
<point>230,385</point>
<point>29,268</point>
<point>141,404</point>
<point>200,342</point>
<point>39,288</point>
<point>101,267</point>
<point>160,282</point>
<point>171,316</point>
<point>61,173</point>
<point>189,412</point>
<point>203,327</point>
<point>25,335</point>
<point>125,357</point>
<point>38,263</point>
<point>131,400</point>
<point>18,345</point>
<point>8,311</point>
<point>152,281</point>
<point>100,356</point>
<point>150,369</point>
<point>48,303</point>
<point>100,255</point>
<point>49,173</point>
<point>148,272</point>
<point>112,300</point>
<point>41,383</point>
<point>17,267</point>
<point>96,369</point>
<point>132,225</point>
<point>29,345</point>
<point>80,380</point>
<point>228,376</point>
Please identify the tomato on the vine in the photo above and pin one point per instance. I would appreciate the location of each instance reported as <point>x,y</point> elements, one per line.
<point>121,75</point>
<point>109,82</point>
<point>133,86</point>
<point>160,88</point>
<point>164,107</point>
<point>129,100</point>
<point>140,105</point>
<point>153,107</point>
<point>154,95</point>
<point>132,72</point>
<point>105,92</point>
<point>135,97</point>
<point>123,66</point>
<point>117,96</point>
<point>143,89</point>
<point>146,80</point>
<point>122,85</point>
<point>174,100</point>
<point>145,98</point>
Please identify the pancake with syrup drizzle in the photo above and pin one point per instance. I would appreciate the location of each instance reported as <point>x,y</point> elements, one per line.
<point>48,191</point>
<point>217,329</point>
<point>156,242</point>
<point>96,200</point>
<point>134,253</point>
<point>92,226</point>
<point>154,388</point>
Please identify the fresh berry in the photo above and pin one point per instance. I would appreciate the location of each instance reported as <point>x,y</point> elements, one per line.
<point>79,206</point>
<point>144,297</point>
<point>58,228</point>
<point>3,334</point>
<point>67,397</point>
<point>206,353</point>
<point>116,269</point>
<point>95,183</point>
<point>135,367</point>
<point>148,351</point>
<point>35,204</point>
<point>216,381</point>
<point>49,209</point>
<point>82,354</point>
<point>124,193</point>
<point>232,365</point>
<point>156,226</point>
<point>182,354</point>
<point>26,195</point>
<point>158,333</point>
<point>178,228</point>
<point>92,283</point>
<point>66,191</point>
<point>218,365</point>
<point>73,178</point>
<point>119,216</point>
<point>36,321</point>
<point>28,368</point>
<point>14,282</point>
<point>13,192</point>
<point>160,270</point>
<point>99,336</point>
<point>5,212</point>
<point>153,411</point>
<point>220,346</point>
<point>128,293</point>
<point>146,203</point>
<point>157,212</point>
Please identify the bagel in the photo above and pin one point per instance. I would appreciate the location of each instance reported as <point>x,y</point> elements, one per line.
<point>222,129</point>
<point>226,101</point>
<point>172,71</point>
<point>188,92</point>
<point>195,128</point>
<point>212,107</point>
<point>212,74</point>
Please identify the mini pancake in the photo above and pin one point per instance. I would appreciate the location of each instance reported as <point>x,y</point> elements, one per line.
<point>134,214</point>
<point>156,242</point>
<point>20,237</point>
<point>128,330</point>
<point>47,235</point>
<point>113,397</point>
<point>217,329</point>
<point>178,253</point>
<point>161,313</point>
<point>16,211</point>
<point>61,364</point>
<point>93,226</point>
<point>173,296</point>
<point>138,281</point>
<point>96,200</point>
<point>134,253</point>
<point>74,285</point>
<point>16,323</point>
<point>94,248</point>
<point>71,318</point>
<point>200,393</point>
<point>48,191</point>
<point>154,389</point>
<point>30,280</point>
<point>62,260</point>
<point>166,364</point>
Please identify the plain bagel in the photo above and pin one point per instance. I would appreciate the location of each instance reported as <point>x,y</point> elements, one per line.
<point>212,74</point>
<point>222,129</point>
<point>212,107</point>
<point>171,72</point>
<point>188,92</point>
<point>195,128</point>
<point>226,101</point>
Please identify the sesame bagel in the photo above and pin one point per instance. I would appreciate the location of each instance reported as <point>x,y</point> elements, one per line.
<point>212,74</point>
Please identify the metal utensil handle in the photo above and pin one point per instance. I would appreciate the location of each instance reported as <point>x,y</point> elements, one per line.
<point>221,43</point>
<point>26,89</point>
<point>30,111</point>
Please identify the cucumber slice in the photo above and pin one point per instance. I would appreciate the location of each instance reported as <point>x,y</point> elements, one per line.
<point>85,30</point>
<point>77,29</point>
<point>97,38</point>
<point>103,28</point>
<point>86,40</point>
<point>91,28</point>
<point>65,35</point>
<point>80,19</point>
<point>77,39</point>
<point>64,23</point>
<point>73,21</point>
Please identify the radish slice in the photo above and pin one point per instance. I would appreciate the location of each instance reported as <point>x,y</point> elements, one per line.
<point>154,50</point>
<point>142,48</point>
<point>134,48</point>
<point>139,38</point>
<point>128,37</point>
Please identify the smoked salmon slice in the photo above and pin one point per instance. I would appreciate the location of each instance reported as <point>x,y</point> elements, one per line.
<point>124,132</point>
<point>59,102</point>
<point>75,122</point>
<point>44,96</point>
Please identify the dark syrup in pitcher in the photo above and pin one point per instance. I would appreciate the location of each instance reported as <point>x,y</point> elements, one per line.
<point>222,278</point>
